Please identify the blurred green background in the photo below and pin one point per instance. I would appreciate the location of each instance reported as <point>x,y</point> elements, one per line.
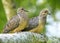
<point>33,5</point>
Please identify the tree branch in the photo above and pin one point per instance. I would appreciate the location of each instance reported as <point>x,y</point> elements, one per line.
<point>10,8</point>
<point>23,37</point>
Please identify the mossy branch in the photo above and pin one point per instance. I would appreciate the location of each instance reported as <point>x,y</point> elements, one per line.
<point>23,37</point>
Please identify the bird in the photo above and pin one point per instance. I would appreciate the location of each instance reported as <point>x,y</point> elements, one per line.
<point>37,24</point>
<point>17,22</point>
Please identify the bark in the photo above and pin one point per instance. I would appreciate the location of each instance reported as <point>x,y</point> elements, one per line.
<point>23,37</point>
<point>10,8</point>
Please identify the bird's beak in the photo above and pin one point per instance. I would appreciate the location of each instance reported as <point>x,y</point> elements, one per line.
<point>26,10</point>
<point>49,13</point>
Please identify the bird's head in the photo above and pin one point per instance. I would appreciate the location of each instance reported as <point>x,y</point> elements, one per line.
<point>44,13</point>
<point>21,10</point>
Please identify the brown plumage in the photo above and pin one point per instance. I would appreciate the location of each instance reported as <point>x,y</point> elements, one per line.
<point>37,24</point>
<point>17,22</point>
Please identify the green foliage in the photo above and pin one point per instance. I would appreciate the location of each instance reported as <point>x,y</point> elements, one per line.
<point>53,40</point>
<point>2,17</point>
<point>54,5</point>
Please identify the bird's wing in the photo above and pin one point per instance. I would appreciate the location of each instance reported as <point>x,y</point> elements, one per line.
<point>33,22</point>
<point>12,24</point>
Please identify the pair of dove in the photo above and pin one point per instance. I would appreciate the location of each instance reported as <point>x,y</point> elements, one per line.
<point>21,22</point>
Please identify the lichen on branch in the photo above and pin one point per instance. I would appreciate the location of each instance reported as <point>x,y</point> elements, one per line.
<point>22,37</point>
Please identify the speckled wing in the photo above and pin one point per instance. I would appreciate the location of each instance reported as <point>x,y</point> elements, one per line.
<point>11,24</point>
<point>33,22</point>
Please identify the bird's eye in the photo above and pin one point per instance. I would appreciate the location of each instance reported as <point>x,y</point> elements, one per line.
<point>22,9</point>
<point>46,11</point>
